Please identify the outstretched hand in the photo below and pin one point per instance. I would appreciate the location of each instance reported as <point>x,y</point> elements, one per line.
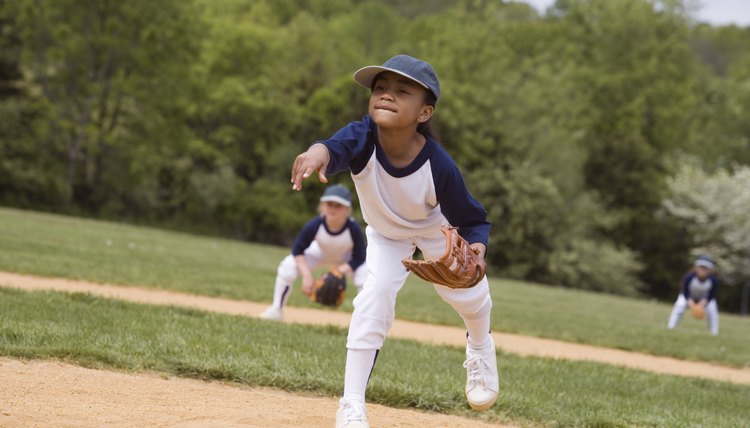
<point>316,158</point>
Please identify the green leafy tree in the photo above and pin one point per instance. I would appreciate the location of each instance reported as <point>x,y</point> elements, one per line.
<point>100,68</point>
<point>27,174</point>
<point>639,76</point>
<point>10,46</point>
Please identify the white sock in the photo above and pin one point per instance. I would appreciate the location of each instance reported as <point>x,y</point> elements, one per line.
<point>281,292</point>
<point>478,327</point>
<point>359,364</point>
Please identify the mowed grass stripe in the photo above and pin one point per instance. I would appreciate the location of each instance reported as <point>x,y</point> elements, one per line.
<point>102,333</point>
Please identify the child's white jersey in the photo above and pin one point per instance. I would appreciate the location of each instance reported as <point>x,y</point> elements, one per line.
<point>696,289</point>
<point>345,245</point>
<point>411,201</point>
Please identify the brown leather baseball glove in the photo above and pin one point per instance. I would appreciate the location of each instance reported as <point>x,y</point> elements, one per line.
<point>698,311</point>
<point>460,267</point>
<point>329,289</point>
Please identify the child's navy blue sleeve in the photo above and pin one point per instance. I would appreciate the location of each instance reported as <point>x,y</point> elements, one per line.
<point>306,235</point>
<point>359,252</point>
<point>457,205</point>
<point>686,284</point>
<point>347,145</point>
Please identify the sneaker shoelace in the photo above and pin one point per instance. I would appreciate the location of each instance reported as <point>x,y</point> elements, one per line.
<point>352,412</point>
<point>477,366</point>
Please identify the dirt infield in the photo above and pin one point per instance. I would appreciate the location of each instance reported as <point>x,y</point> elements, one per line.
<point>41,392</point>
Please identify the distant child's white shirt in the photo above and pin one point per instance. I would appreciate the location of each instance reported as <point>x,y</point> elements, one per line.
<point>696,289</point>
<point>344,246</point>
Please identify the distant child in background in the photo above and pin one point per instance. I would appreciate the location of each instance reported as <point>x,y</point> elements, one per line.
<point>332,239</point>
<point>408,187</point>
<point>698,288</point>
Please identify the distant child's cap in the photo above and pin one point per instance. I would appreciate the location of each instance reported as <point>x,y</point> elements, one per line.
<point>337,193</point>
<point>415,69</point>
<point>705,262</point>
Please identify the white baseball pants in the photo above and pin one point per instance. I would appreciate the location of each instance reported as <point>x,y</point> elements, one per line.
<point>287,272</point>
<point>681,305</point>
<point>375,306</point>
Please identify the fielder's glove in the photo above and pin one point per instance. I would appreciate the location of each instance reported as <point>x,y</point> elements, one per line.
<point>698,311</point>
<point>329,289</point>
<point>460,267</point>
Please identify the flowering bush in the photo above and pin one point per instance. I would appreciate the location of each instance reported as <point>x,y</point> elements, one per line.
<point>717,209</point>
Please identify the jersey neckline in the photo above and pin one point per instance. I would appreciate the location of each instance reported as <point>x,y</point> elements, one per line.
<point>417,163</point>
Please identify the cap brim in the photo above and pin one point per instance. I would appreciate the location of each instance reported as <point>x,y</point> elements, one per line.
<point>365,75</point>
<point>705,264</point>
<point>337,199</point>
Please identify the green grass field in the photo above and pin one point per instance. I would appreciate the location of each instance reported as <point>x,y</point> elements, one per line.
<point>52,245</point>
<point>102,333</point>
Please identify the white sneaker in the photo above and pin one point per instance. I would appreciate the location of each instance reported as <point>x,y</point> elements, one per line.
<point>272,313</point>
<point>351,415</point>
<point>482,382</point>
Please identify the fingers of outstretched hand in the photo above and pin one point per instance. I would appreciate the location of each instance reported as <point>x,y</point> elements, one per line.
<point>304,166</point>
<point>300,171</point>
<point>322,175</point>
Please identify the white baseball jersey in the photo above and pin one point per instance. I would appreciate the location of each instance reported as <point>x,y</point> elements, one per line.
<point>345,245</point>
<point>696,289</point>
<point>411,201</point>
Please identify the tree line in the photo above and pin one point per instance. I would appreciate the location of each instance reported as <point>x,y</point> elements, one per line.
<point>581,130</point>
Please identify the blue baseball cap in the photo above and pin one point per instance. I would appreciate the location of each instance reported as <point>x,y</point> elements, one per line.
<point>415,69</point>
<point>704,261</point>
<point>337,193</point>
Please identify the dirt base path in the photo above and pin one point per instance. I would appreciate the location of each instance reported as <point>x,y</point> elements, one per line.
<point>41,392</point>
<point>434,334</point>
<point>46,393</point>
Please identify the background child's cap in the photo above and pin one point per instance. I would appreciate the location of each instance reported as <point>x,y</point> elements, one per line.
<point>337,193</point>
<point>415,69</point>
<point>705,262</point>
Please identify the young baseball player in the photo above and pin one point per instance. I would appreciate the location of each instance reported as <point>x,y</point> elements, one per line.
<point>332,239</point>
<point>408,188</point>
<point>698,288</point>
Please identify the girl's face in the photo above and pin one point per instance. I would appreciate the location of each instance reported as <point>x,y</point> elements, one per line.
<point>398,102</point>
<point>702,272</point>
<point>334,211</point>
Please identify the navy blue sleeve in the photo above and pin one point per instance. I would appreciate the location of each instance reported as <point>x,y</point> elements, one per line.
<point>457,205</point>
<point>306,235</point>
<point>714,287</point>
<point>348,147</point>
<point>360,248</point>
<point>686,284</point>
